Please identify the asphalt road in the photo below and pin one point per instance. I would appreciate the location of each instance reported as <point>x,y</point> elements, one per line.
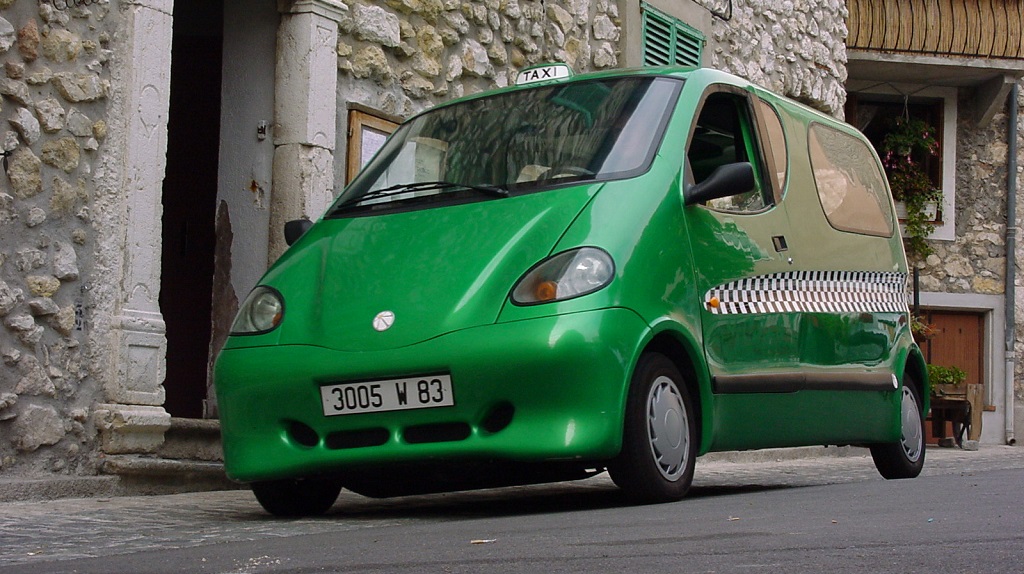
<point>835,515</point>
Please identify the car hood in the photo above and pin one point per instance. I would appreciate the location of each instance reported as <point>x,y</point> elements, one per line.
<point>435,270</point>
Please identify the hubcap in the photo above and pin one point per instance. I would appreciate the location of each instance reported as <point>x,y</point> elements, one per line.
<point>913,438</point>
<point>668,428</point>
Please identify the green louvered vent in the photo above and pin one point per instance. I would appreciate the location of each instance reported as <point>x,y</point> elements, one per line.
<point>668,40</point>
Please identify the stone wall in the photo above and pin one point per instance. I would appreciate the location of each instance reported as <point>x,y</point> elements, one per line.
<point>975,261</point>
<point>53,126</point>
<point>1018,257</point>
<point>791,47</point>
<point>400,56</point>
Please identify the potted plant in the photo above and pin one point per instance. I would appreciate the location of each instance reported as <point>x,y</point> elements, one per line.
<point>904,150</point>
<point>921,329</point>
<point>947,381</point>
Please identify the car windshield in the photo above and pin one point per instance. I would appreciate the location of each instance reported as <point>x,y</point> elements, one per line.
<point>516,142</point>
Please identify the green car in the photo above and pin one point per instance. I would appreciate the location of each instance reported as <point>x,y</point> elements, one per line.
<point>618,271</point>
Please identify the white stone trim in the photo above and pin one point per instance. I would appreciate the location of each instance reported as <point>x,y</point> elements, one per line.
<point>131,428</point>
<point>131,334</point>
<point>306,80</point>
<point>138,318</point>
<point>305,113</point>
<point>331,9</point>
<point>165,6</point>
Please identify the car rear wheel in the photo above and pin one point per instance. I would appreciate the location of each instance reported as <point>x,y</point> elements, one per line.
<point>904,459</point>
<point>297,497</point>
<point>658,447</point>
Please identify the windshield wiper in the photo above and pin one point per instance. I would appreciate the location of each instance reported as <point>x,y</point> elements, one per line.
<point>489,190</point>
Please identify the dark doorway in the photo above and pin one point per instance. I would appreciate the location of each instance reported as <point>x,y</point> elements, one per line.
<point>189,201</point>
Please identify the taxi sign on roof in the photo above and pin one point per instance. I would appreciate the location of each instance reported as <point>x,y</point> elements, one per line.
<point>543,73</point>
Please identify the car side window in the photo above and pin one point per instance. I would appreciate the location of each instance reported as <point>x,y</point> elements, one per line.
<point>850,183</point>
<point>724,133</point>
<point>773,145</point>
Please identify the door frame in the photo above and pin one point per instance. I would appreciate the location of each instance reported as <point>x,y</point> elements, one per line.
<point>993,354</point>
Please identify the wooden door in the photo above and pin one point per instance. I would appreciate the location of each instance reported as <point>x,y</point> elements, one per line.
<point>959,342</point>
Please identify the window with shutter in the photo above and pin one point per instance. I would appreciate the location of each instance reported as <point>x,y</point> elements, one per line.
<point>668,40</point>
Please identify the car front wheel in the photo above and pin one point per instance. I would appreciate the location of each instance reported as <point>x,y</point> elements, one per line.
<point>297,497</point>
<point>658,443</point>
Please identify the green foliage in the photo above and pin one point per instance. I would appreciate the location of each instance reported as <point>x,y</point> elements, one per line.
<point>939,375</point>
<point>903,152</point>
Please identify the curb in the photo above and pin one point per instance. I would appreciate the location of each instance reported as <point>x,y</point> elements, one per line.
<point>123,475</point>
<point>781,454</point>
<point>20,490</point>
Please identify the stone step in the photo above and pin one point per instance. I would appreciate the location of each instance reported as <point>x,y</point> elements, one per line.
<point>140,475</point>
<point>192,439</point>
<point>189,460</point>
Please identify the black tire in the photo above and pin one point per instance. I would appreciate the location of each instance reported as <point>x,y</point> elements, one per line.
<point>904,459</point>
<point>659,447</point>
<point>297,497</point>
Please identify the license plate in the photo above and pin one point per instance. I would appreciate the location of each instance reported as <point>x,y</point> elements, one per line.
<point>388,395</point>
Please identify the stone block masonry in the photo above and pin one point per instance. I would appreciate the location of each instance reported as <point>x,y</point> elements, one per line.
<point>403,55</point>
<point>54,86</point>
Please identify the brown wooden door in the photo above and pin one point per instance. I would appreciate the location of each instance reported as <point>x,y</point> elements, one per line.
<point>957,343</point>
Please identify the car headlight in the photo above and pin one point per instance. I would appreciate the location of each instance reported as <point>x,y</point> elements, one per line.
<point>262,311</point>
<point>566,275</point>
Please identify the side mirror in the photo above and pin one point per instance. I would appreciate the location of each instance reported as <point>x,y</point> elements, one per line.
<point>726,180</point>
<point>295,229</point>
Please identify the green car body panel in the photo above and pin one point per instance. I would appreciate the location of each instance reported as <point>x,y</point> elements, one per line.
<point>548,382</point>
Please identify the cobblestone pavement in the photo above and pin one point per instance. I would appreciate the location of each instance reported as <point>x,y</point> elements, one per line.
<point>90,527</point>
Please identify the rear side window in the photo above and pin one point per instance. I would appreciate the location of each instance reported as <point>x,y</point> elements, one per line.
<point>850,183</point>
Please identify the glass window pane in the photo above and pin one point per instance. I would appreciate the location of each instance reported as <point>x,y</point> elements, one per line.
<point>721,138</point>
<point>774,145</point>
<point>850,184</point>
<point>523,140</point>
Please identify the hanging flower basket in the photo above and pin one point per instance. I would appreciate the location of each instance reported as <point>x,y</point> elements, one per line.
<point>921,329</point>
<point>904,149</point>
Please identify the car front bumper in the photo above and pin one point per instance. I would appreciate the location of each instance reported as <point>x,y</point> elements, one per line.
<point>545,389</point>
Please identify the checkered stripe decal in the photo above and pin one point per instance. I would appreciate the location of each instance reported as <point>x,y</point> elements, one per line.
<point>811,292</point>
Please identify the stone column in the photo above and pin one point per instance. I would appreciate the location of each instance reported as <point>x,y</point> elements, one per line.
<point>133,420</point>
<point>305,113</point>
